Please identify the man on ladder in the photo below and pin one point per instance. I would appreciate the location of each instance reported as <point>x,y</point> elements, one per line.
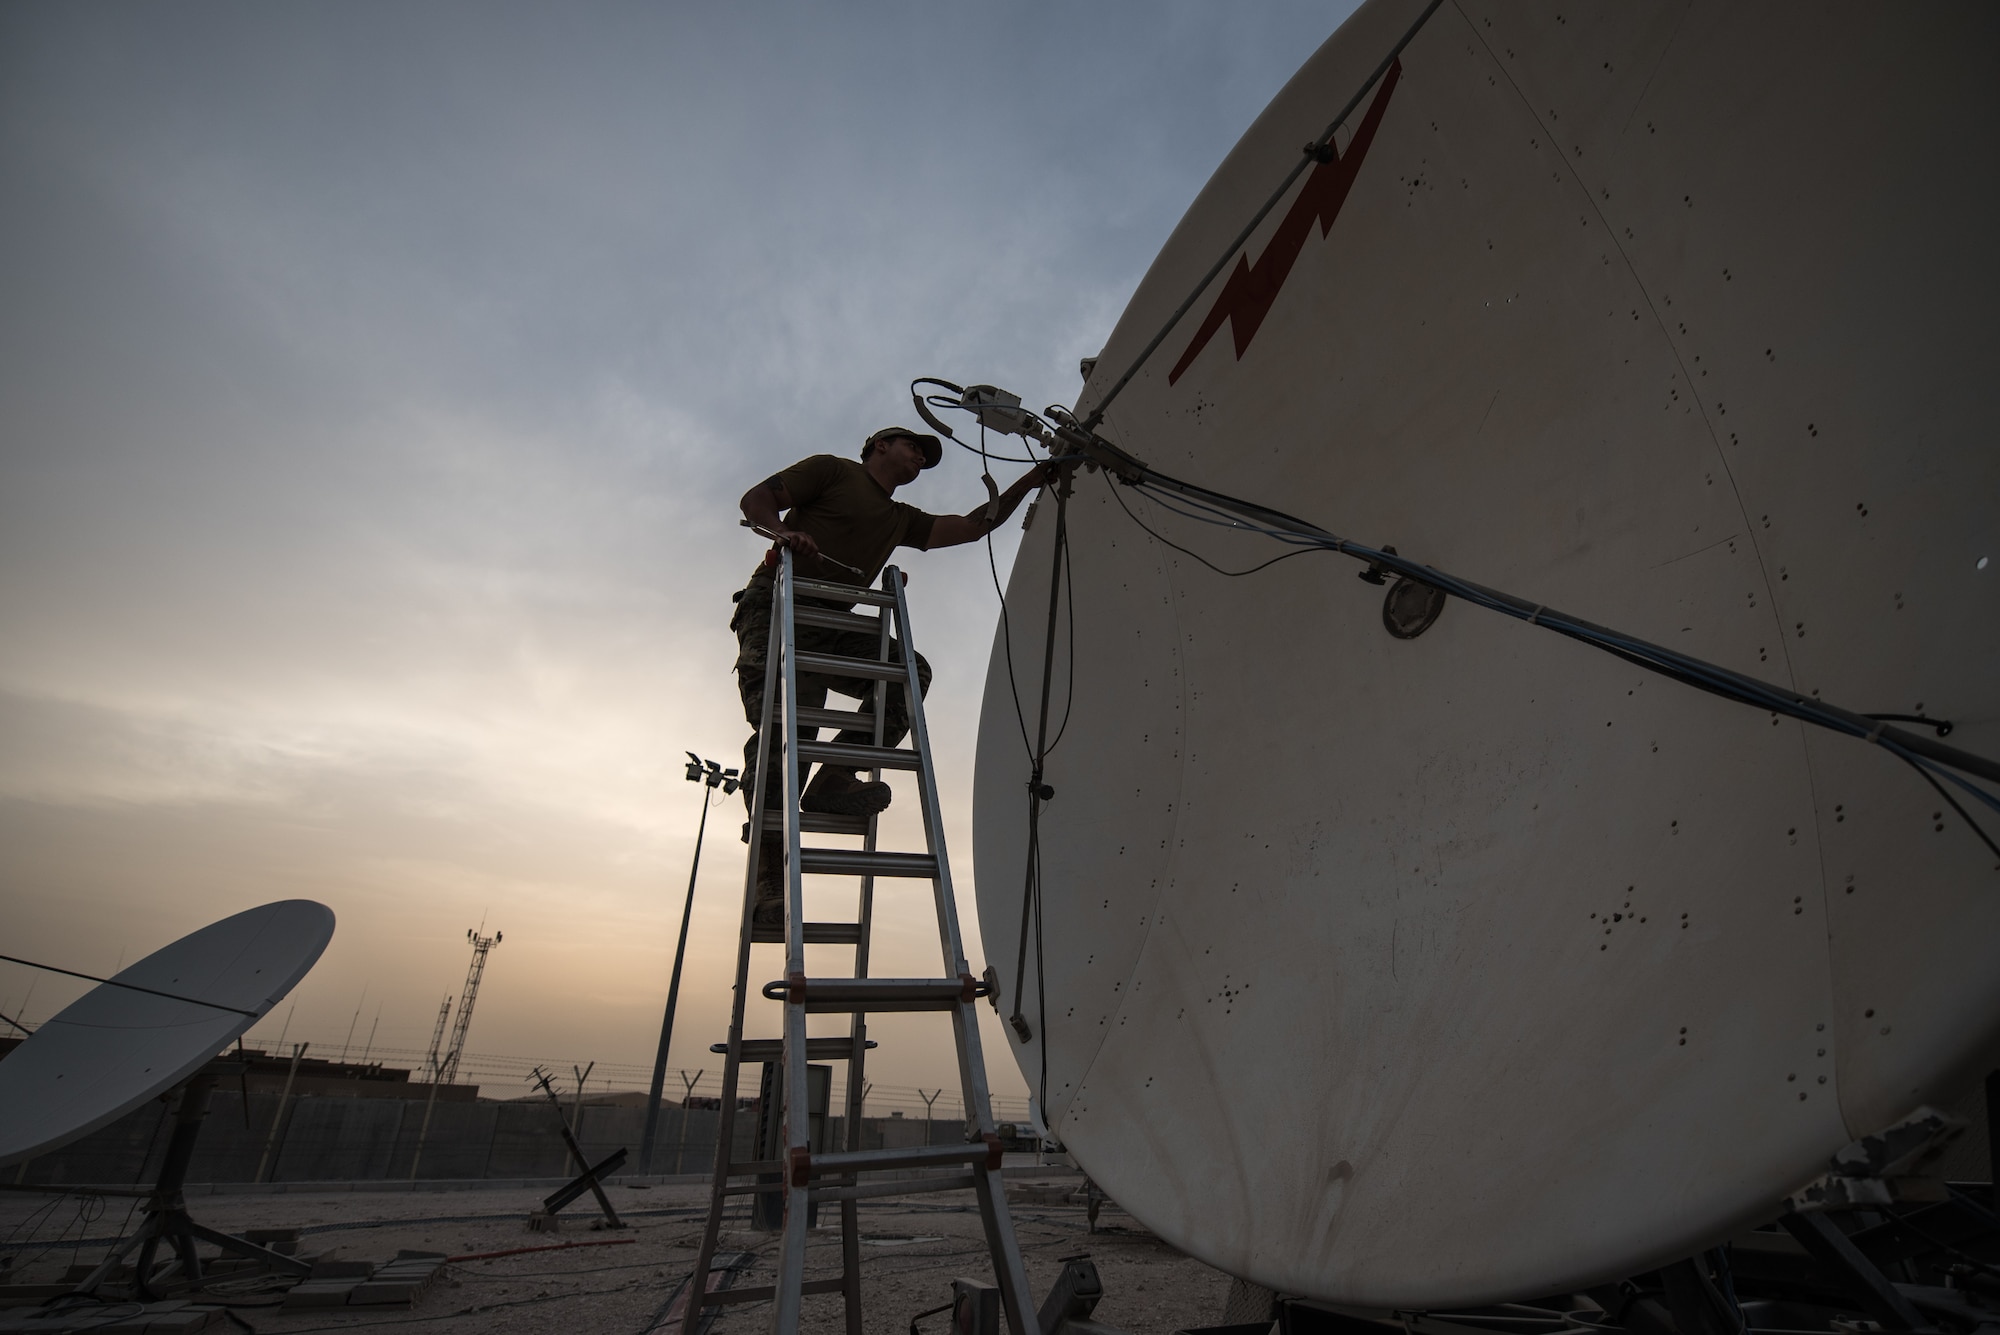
<point>842,525</point>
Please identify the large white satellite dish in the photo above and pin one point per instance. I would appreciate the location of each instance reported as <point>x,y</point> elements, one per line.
<point>1411,972</point>
<point>114,1047</point>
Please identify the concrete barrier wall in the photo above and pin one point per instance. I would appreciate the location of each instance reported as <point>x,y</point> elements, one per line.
<point>322,1139</point>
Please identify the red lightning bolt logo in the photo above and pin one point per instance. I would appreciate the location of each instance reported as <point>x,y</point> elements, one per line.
<point>1246,298</point>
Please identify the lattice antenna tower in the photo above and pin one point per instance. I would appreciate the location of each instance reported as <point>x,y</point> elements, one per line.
<point>437,1037</point>
<point>473,973</point>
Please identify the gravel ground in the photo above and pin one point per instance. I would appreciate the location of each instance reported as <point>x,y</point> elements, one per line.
<point>912,1249</point>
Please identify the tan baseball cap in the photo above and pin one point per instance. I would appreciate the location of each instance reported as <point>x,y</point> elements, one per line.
<point>932,447</point>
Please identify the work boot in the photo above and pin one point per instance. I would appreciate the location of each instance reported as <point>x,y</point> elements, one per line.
<point>836,792</point>
<point>768,910</point>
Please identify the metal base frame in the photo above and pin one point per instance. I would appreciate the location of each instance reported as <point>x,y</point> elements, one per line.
<point>166,1219</point>
<point>1929,1269</point>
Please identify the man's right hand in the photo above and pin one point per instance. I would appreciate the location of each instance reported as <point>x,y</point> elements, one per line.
<point>801,543</point>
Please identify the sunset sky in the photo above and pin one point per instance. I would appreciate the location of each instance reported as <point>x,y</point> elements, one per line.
<point>376,385</point>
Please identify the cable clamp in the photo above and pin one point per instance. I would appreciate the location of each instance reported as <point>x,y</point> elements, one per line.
<point>1535,617</point>
<point>1073,440</point>
<point>1377,573</point>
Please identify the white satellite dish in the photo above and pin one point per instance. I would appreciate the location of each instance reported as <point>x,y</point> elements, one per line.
<point>116,1047</point>
<point>1412,972</point>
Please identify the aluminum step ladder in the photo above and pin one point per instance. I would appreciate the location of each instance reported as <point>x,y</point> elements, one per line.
<point>788,737</point>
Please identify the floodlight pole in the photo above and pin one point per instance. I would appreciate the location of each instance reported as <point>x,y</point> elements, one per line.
<point>712,775</point>
<point>681,1148</point>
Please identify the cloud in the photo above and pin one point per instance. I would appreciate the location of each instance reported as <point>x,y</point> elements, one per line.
<point>376,385</point>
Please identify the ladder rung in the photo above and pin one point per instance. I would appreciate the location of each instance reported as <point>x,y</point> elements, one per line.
<point>847,720</point>
<point>846,593</point>
<point>832,620</point>
<point>835,665</point>
<point>844,1163</point>
<point>863,862</point>
<point>757,1293</point>
<point>859,757</point>
<point>773,1049</point>
<point>817,934</point>
<point>847,995</point>
<point>907,1186</point>
<point>914,1156</point>
<point>817,822</point>
<point>773,1186</point>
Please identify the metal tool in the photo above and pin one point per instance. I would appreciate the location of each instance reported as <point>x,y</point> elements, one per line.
<point>765,532</point>
<point>802,1176</point>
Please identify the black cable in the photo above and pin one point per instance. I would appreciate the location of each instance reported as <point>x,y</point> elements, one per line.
<point>1039,792</point>
<point>1708,676</point>
<point>131,987</point>
<point>1233,574</point>
<point>1311,154</point>
<point>930,1311</point>
<point>1041,981</point>
<point>1930,758</point>
<point>940,401</point>
<point>1007,642</point>
<point>1031,891</point>
<point>1942,726</point>
<point>1069,688</point>
<point>1953,803</point>
<point>18,1025</point>
<point>924,402</point>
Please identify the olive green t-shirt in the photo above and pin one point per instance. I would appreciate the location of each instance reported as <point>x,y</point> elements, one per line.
<point>851,518</point>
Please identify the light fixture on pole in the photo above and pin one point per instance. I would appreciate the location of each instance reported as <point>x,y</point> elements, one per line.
<point>713,776</point>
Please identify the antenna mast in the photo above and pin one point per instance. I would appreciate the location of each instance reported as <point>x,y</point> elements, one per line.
<point>448,1073</point>
<point>437,1037</point>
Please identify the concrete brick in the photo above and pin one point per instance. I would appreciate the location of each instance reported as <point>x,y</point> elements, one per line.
<point>319,1293</point>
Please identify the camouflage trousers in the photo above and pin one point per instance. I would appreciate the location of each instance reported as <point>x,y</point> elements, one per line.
<point>752,624</point>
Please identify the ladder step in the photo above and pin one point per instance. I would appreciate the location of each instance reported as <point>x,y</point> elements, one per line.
<point>847,756</point>
<point>862,862</point>
<point>773,1049</point>
<point>846,593</point>
<point>817,934</point>
<point>774,1186</point>
<point>832,620</point>
<point>757,1293</point>
<point>817,822</point>
<point>835,665</point>
<point>824,996</point>
<point>907,1186</point>
<point>984,1154</point>
<point>847,720</point>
